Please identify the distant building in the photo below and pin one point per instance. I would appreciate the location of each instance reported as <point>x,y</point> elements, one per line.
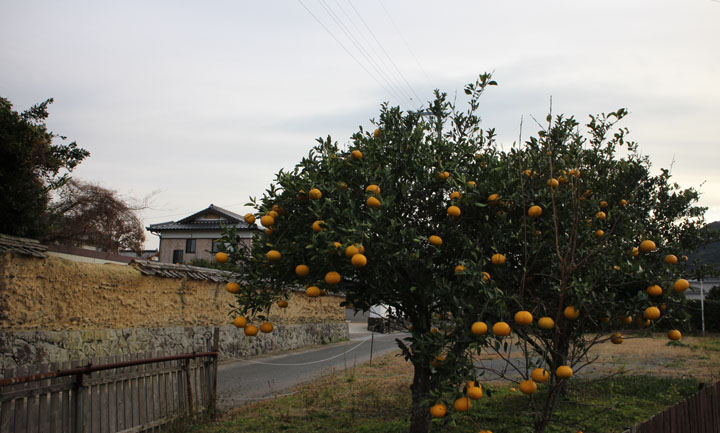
<point>197,236</point>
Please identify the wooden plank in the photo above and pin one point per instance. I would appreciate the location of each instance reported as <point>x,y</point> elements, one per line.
<point>55,410</point>
<point>155,383</point>
<point>135,393</point>
<point>112,406</point>
<point>94,410</point>
<point>142,397</point>
<point>65,402</point>
<point>43,421</point>
<point>715,407</point>
<point>21,405</point>
<point>7,419</point>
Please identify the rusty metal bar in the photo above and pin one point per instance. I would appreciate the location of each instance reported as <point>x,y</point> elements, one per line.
<point>91,368</point>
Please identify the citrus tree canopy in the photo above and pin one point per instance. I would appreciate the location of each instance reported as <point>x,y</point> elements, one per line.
<point>546,247</point>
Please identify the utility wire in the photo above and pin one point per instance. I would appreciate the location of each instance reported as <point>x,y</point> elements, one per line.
<point>344,48</point>
<point>407,45</point>
<point>417,98</point>
<point>364,52</point>
<point>380,60</point>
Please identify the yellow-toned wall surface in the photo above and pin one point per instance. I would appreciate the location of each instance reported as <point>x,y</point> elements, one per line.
<point>57,294</point>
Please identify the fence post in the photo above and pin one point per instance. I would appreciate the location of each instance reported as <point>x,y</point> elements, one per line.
<point>212,404</point>
<point>188,385</point>
<point>78,414</point>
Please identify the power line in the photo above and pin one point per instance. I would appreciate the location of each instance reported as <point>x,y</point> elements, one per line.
<point>346,49</point>
<point>407,45</point>
<point>398,94</point>
<point>417,98</point>
<point>380,60</point>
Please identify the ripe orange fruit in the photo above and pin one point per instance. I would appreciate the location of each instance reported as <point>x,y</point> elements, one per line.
<point>249,218</point>
<point>534,211</point>
<point>674,334</point>
<point>635,252</point>
<point>485,277</point>
<point>282,303</point>
<point>444,175</point>
<point>471,184</point>
<point>312,291</point>
<point>681,285</point>
<point>540,375</point>
<point>564,372</point>
<point>453,211</point>
<point>563,180</point>
<point>523,318</point>
<point>652,313</point>
<point>435,240</point>
<point>302,195</point>
<point>603,204</point>
<point>240,322</point>
<point>626,320</point>
<point>269,231</point>
<point>343,185</point>
<point>493,198</point>
<point>605,319</point>
<point>273,255</point>
<point>358,260</point>
<point>376,134</point>
<point>351,251</point>
<point>600,215</point>
<point>599,233</point>
<point>685,258</point>
<point>438,410</point>
<point>623,202</point>
<point>302,270</point>
<point>356,155</point>
<point>528,386</point>
<point>616,338</point>
<point>373,202</point>
<point>647,246</point>
<point>232,287</point>
<point>454,195</point>
<point>317,227</point>
<point>462,404</point>
<point>266,327</point>
<point>479,328</point>
<point>251,330</point>
<point>571,313</point>
<point>459,269</point>
<point>332,277</point>
<point>553,183</point>
<point>501,329</point>
<point>670,259</point>
<point>546,323</point>
<point>373,189</point>
<point>273,214</point>
<point>221,257</point>
<point>474,392</point>
<point>315,194</point>
<point>654,290</point>
<point>497,259</point>
<point>574,172</point>
<point>267,221</point>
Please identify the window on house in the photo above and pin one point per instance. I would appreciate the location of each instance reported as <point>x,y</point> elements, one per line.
<point>177,256</point>
<point>216,245</point>
<point>189,245</point>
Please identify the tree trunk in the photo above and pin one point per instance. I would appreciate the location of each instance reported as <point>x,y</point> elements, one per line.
<point>420,417</point>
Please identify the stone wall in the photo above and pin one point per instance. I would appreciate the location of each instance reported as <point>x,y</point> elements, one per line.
<point>54,310</point>
<point>32,347</point>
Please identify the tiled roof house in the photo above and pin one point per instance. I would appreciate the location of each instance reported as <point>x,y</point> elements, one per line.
<point>196,236</point>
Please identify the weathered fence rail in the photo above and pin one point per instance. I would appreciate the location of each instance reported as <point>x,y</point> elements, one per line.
<point>699,413</point>
<point>110,395</point>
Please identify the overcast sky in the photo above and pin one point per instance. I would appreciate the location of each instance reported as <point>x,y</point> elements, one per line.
<point>206,101</point>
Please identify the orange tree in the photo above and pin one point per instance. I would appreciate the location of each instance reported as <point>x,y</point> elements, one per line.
<point>548,247</point>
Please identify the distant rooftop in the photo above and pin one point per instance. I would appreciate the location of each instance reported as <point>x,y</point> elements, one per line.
<point>211,218</point>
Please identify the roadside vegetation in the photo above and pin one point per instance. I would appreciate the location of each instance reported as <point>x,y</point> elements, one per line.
<point>376,398</point>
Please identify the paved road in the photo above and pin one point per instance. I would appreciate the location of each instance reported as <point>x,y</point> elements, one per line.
<point>262,377</point>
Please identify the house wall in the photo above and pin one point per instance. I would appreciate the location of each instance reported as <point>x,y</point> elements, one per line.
<point>202,248</point>
<point>53,308</point>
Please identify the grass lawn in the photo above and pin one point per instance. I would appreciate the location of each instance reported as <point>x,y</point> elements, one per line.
<point>376,398</point>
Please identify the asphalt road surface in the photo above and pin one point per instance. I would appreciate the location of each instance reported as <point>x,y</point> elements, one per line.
<point>257,378</point>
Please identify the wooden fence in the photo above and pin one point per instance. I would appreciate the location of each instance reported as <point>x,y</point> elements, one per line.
<point>699,413</point>
<point>127,395</point>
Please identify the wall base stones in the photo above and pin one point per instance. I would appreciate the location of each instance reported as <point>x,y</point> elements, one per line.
<point>32,347</point>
